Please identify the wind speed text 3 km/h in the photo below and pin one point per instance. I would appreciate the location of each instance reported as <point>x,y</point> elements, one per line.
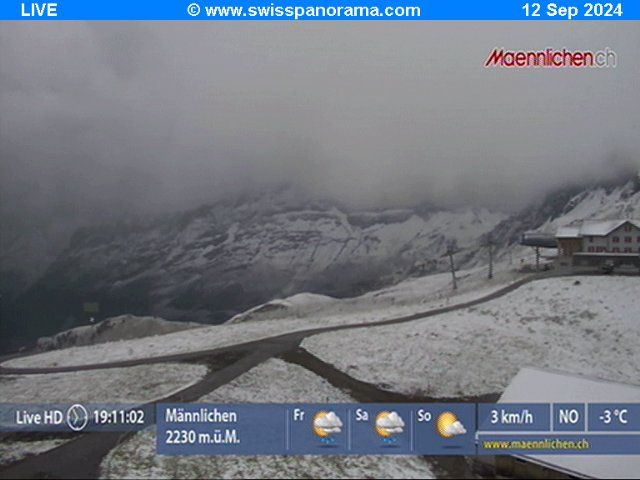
<point>563,11</point>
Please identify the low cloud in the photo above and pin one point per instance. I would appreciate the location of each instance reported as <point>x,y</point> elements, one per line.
<point>103,119</point>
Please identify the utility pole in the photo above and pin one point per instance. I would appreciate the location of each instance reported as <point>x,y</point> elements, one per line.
<point>453,270</point>
<point>537,259</point>
<point>490,245</point>
<point>452,247</point>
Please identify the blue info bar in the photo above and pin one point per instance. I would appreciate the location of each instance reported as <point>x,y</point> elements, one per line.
<point>75,417</point>
<point>312,429</point>
<point>395,429</point>
<point>318,10</point>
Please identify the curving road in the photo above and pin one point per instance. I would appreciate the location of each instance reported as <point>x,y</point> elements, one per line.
<point>81,457</point>
<point>290,339</point>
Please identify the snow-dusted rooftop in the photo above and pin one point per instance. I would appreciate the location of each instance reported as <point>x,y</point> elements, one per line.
<point>595,228</point>
<point>532,385</point>
<point>568,232</point>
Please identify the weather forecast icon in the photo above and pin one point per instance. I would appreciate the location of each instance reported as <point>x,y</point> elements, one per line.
<point>448,425</point>
<point>388,426</point>
<point>326,425</point>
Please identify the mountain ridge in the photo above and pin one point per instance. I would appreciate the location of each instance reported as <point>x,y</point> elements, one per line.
<point>210,263</point>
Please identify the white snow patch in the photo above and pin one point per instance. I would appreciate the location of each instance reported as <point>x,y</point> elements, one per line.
<point>276,381</point>
<point>139,384</point>
<point>294,306</point>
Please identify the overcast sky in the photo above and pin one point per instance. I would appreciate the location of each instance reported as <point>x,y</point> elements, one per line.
<point>143,117</point>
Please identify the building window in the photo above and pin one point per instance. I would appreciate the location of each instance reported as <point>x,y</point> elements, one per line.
<point>616,250</point>
<point>628,240</point>
<point>627,228</point>
<point>591,239</point>
<point>591,249</point>
<point>616,239</point>
<point>627,250</point>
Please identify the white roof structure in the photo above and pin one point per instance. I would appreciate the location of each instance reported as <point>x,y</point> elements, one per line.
<point>593,228</point>
<point>568,232</point>
<point>532,385</point>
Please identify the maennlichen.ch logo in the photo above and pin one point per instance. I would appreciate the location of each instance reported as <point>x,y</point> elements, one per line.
<point>552,58</point>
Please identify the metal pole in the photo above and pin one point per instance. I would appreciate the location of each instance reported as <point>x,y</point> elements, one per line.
<point>537,259</point>
<point>453,270</point>
<point>490,261</point>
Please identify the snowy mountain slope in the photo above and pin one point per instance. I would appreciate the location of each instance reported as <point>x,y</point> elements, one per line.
<point>404,298</point>
<point>296,305</point>
<point>611,199</point>
<point>582,325</point>
<point>123,327</point>
<point>208,264</point>
<point>600,203</point>
<point>411,296</point>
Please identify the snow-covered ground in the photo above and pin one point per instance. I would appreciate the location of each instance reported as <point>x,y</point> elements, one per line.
<point>138,384</point>
<point>273,381</point>
<point>296,305</point>
<point>123,327</point>
<point>276,381</point>
<point>584,325</point>
<point>406,298</point>
<point>15,451</point>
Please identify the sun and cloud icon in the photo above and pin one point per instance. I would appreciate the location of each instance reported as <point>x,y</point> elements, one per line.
<point>388,426</point>
<point>326,425</point>
<point>448,425</point>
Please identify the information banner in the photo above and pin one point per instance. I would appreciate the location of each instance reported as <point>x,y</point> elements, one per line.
<point>461,429</point>
<point>396,429</point>
<point>288,10</point>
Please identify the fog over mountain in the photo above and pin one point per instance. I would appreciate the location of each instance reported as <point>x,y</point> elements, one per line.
<point>210,263</point>
<point>99,120</point>
<point>142,165</point>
